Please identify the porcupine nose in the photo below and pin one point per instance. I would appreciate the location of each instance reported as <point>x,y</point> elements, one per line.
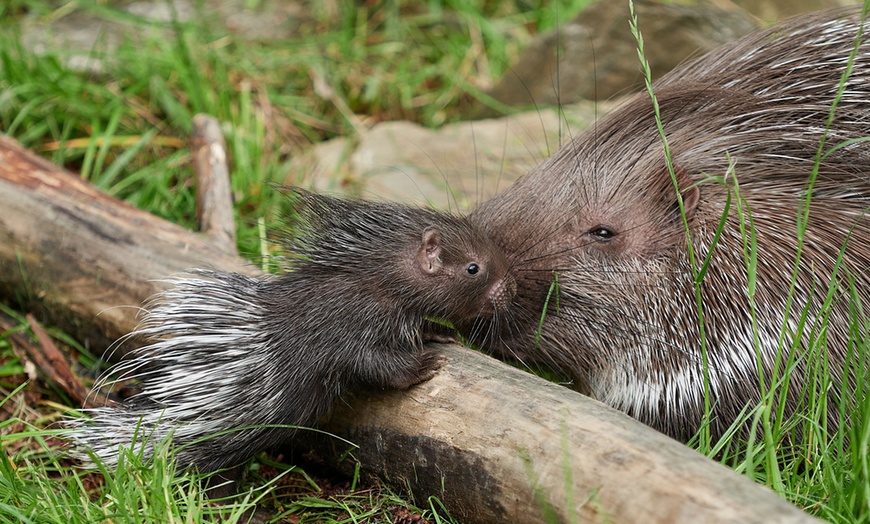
<point>502,293</point>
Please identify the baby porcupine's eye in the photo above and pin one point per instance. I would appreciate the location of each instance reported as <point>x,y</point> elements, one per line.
<point>472,269</point>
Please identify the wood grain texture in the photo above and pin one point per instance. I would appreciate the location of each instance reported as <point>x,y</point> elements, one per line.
<point>497,444</point>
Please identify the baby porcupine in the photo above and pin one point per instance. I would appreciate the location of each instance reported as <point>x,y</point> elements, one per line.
<point>237,359</point>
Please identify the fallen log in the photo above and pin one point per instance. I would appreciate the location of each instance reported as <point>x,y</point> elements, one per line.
<point>494,444</point>
<point>498,444</point>
<point>81,258</point>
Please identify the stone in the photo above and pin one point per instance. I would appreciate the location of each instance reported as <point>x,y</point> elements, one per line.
<point>594,57</point>
<point>453,167</point>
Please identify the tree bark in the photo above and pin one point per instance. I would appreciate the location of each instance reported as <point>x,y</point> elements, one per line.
<point>497,444</point>
<point>82,259</point>
<point>494,444</point>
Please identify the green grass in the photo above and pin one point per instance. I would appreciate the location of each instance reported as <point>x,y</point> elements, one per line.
<point>38,485</point>
<point>126,128</point>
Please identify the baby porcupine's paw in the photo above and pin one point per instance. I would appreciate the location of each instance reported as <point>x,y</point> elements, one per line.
<point>429,364</point>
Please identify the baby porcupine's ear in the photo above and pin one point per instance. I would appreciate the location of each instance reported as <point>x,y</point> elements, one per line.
<point>429,255</point>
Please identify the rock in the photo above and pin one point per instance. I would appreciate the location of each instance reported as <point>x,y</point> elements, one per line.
<point>451,167</point>
<point>594,56</point>
<point>776,10</point>
<point>84,36</point>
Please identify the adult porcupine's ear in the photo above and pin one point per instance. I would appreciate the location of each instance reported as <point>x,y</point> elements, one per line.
<point>429,254</point>
<point>689,190</point>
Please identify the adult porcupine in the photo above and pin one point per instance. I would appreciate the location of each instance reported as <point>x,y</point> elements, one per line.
<point>227,351</point>
<point>602,214</point>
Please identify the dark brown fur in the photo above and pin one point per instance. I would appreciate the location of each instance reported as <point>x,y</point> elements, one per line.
<point>602,216</point>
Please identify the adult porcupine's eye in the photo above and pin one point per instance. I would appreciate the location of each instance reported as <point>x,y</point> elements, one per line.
<point>472,269</point>
<point>602,233</point>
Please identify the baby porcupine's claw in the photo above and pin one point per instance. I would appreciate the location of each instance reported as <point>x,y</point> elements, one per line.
<point>430,362</point>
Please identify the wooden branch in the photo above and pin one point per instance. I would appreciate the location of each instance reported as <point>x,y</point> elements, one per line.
<point>81,258</point>
<point>488,440</point>
<point>214,198</point>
